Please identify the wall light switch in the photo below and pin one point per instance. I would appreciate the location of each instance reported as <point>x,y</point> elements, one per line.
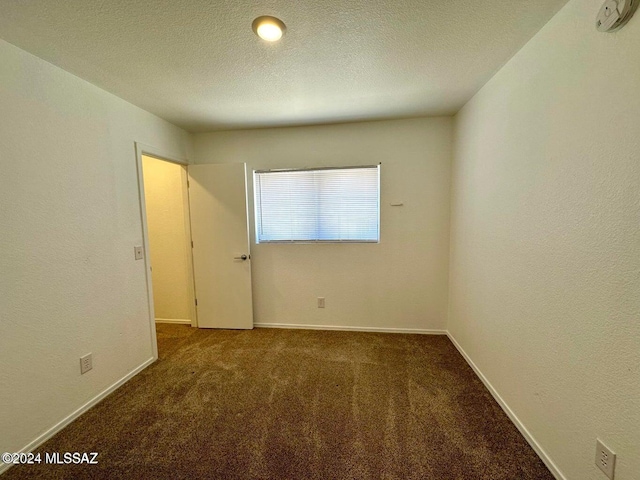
<point>320,302</point>
<point>138,252</point>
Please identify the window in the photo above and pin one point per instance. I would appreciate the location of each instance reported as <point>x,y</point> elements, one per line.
<point>319,205</point>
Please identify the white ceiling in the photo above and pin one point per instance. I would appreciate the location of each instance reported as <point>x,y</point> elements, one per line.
<point>198,64</point>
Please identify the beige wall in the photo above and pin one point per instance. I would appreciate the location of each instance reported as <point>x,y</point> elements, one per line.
<point>69,220</point>
<point>399,283</point>
<point>167,214</point>
<point>545,290</point>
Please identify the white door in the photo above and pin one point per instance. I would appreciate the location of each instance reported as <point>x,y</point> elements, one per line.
<point>220,234</point>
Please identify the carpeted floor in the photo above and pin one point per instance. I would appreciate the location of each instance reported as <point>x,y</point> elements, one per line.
<point>294,404</point>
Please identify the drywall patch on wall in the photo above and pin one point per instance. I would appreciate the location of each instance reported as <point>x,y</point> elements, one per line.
<point>165,197</point>
<point>400,282</point>
<point>545,243</point>
<point>70,218</point>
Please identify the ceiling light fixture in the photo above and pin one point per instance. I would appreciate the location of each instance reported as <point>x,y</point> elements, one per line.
<point>268,28</point>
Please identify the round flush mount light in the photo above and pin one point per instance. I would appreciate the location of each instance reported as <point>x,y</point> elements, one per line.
<point>268,28</point>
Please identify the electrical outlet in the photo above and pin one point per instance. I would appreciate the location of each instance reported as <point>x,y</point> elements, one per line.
<point>138,252</point>
<point>605,459</point>
<point>86,363</point>
<point>320,302</point>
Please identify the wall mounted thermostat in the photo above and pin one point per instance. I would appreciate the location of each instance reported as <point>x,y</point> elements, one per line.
<point>614,14</point>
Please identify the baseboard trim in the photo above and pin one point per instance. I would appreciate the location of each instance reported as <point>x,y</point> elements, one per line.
<point>512,416</point>
<point>177,321</point>
<point>70,418</point>
<point>350,328</point>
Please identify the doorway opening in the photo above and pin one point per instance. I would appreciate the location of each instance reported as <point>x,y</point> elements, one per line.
<point>195,231</point>
<point>167,209</point>
<point>169,254</point>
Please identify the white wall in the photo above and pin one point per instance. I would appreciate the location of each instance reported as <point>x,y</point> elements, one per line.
<point>69,220</point>
<point>545,261</point>
<point>399,283</point>
<point>167,213</point>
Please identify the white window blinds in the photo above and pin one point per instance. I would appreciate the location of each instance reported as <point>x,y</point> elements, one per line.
<point>322,205</point>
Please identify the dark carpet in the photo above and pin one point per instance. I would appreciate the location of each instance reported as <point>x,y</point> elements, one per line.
<point>295,404</point>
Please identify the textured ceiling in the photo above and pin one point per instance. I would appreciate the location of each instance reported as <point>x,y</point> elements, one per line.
<point>198,64</point>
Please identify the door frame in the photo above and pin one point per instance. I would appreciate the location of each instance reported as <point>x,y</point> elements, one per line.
<point>149,151</point>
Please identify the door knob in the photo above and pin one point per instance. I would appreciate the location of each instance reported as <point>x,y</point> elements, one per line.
<point>241,257</point>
